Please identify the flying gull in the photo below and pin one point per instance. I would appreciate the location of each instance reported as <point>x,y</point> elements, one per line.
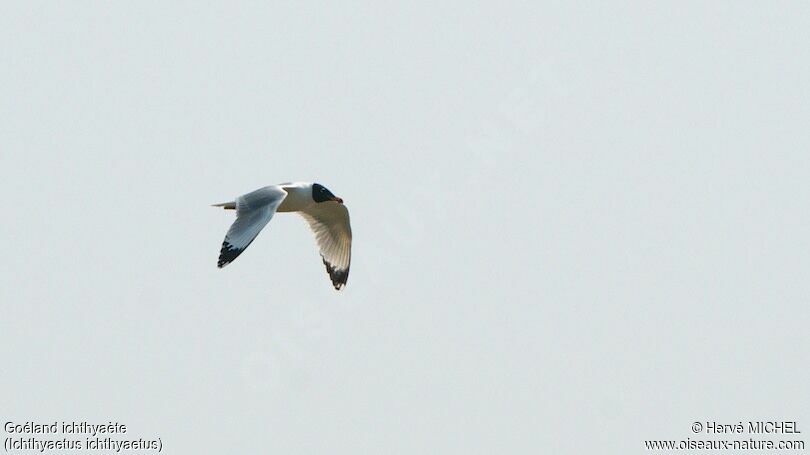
<point>327,217</point>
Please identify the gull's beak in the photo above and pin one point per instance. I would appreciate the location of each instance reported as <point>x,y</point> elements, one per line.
<point>338,200</point>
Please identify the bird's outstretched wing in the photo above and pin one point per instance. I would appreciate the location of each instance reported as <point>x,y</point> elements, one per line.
<point>330,223</point>
<point>253,211</point>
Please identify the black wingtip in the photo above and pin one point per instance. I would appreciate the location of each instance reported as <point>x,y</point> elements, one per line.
<point>338,276</point>
<point>227,254</point>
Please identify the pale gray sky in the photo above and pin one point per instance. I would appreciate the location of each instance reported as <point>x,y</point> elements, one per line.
<point>577,226</point>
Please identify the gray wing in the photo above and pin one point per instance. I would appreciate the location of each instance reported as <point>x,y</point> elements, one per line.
<point>253,211</point>
<point>330,223</point>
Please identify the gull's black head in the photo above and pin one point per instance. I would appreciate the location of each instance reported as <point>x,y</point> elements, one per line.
<point>321,194</point>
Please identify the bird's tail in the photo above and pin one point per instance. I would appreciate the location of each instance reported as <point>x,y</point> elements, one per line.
<point>226,205</point>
